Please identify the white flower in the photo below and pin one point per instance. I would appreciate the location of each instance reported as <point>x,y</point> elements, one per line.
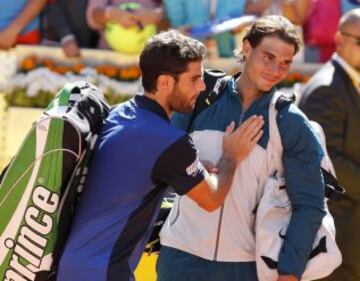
<point>43,79</point>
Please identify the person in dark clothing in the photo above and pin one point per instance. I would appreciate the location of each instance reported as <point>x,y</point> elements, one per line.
<point>332,98</point>
<point>65,22</point>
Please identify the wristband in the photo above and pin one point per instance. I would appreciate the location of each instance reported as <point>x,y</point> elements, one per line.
<point>67,38</point>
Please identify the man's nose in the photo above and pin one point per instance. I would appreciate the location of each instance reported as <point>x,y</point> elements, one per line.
<point>277,70</point>
<point>201,85</point>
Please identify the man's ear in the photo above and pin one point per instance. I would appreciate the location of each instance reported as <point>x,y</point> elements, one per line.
<point>165,83</point>
<point>246,49</point>
<point>337,37</point>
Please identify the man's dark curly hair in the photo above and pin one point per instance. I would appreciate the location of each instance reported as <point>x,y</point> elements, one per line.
<point>168,52</point>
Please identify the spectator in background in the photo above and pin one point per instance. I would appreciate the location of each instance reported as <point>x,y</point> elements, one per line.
<point>257,7</point>
<point>347,5</point>
<point>183,14</point>
<point>319,19</point>
<point>19,22</point>
<point>275,8</point>
<point>332,98</point>
<point>65,22</point>
<point>99,12</point>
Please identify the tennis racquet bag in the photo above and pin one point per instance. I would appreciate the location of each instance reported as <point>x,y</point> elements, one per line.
<point>41,185</point>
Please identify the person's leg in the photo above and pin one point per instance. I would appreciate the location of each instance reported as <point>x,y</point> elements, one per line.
<point>176,265</point>
<point>242,271</point>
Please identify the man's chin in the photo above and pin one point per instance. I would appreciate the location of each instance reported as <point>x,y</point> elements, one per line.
<point>266,88</point>
<point>267,85</point>
<point>184,110</point>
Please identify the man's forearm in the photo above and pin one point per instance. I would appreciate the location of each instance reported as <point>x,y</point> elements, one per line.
<point>221,182</point>
<point>30,11</point>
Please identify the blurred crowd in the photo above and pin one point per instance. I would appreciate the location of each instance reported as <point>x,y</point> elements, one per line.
<point>124,26</point>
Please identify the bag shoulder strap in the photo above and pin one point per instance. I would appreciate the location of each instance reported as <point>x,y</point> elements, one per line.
<point>333,190</point>
<point>216,82</point>
<point>275,151</point>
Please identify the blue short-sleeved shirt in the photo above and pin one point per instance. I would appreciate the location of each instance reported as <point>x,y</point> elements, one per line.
<point>9,10</point>
<point>138,154</point>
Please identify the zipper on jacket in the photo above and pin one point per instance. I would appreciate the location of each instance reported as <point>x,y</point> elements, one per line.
<point>241,118</point>
<point>222,212</point>
<point>218,232</point>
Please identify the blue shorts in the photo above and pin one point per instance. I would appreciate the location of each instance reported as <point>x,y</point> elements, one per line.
<point>176,265</point>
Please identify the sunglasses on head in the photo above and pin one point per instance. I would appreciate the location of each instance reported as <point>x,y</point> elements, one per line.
<point>357,38</point>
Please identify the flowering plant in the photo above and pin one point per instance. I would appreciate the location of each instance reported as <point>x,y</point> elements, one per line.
<point>293,78</point>
<point>38,80</point>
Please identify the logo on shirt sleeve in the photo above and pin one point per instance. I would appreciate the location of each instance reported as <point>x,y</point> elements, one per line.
<point>194,168</point>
